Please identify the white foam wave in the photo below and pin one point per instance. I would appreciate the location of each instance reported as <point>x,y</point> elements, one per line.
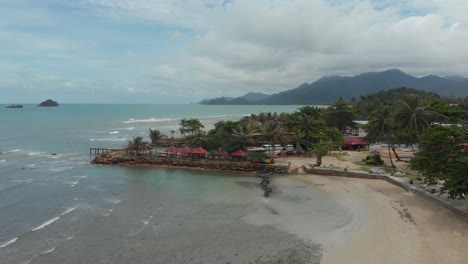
<point>10,151</point>
<point>36,153</point>
<point>50,221</point>
<point>48,251</point>
<point>129,128</point>
<point>114,201</point>
<point>9,242</point>
<point>148,120</point>
<point>60,169</point>
<point>72,183</point>
<point>108,139</point>
<point>113,132</point>
<point>3,160</point>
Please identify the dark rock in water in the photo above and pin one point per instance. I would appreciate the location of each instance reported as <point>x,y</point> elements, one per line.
<point>54,154</point>
<point>14,106</point>
<point>48,103</point>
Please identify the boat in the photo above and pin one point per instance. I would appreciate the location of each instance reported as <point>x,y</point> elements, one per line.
<point>14,106</point>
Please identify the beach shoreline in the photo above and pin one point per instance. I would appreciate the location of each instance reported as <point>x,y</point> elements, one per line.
<point>391,225</point>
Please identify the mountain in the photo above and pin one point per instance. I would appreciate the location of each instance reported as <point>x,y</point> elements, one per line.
<point>328,89</point>
<point>249,98</point>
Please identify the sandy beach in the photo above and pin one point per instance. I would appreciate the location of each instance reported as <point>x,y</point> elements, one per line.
<point>390,225</point>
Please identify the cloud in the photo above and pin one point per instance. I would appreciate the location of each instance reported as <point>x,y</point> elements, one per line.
<point>216,47</point>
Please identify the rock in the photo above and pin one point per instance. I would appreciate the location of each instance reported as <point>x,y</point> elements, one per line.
<point>14,106</point>
<point>376,171</point>
<point>48,103</point>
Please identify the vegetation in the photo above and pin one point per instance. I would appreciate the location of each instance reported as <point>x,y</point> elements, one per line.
<point>397,117</point>
<point>155,136</point>
<point>443,159</point>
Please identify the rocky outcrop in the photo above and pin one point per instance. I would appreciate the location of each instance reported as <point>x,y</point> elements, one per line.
<point>14,106</point>
<point>48,103</point>
<point>112,159</point>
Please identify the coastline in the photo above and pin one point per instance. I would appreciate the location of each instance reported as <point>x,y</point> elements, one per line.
<point>391,225</point>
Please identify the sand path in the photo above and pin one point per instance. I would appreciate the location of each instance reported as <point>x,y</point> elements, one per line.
<point>391,225</point>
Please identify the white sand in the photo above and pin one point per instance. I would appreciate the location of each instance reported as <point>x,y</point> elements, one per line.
<point>390,225</point>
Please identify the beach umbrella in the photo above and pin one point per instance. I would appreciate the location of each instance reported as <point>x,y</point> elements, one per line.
<point>185,151</point>
<point>199,151</point>
<point>171,150</point>
<point>239,153</point>
<point>221,152</point>
<point>145,148</point>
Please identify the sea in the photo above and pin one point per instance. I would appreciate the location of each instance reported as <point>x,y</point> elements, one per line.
<point>55,207</point>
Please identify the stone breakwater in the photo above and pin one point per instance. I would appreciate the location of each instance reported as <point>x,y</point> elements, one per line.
<point>113,159</point>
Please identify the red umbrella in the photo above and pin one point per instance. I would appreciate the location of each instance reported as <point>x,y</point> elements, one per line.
<point>221,152</point>
<point>172,150</point>
<point>239,153</point>
<point>199,150</point>
<point>145,148</point>
<point>185,150</point>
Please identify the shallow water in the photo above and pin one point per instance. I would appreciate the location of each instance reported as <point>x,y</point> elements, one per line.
<point>58,208</point>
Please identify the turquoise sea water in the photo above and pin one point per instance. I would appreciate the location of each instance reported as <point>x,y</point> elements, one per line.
<point>55,208</point>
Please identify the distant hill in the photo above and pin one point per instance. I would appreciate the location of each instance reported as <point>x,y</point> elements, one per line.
<point>328,89</point>
<point>249,98</point>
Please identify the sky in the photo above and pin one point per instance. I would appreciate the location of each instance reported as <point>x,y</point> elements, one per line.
<point>181,51</point>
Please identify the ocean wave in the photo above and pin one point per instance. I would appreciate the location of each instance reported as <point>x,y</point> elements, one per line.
<point>129,128</point>
<point>60,169</point>
<point>109,139</point>
<point>3,160</point>
<point>9,242</point>
<point>148,120</point>
<point>52,220</point>
<point>113,201</point>
<point>36,153</point>
<point>113,132</point>
<point>10,151</point>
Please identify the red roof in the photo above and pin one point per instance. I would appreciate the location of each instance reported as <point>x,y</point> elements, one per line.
<point>145,148</point>
<point>221,152</point>
<point>171,150</point>
<point>199,150</point>
<point>239,153</point>
<point>185,150</point>
<point>354,141</point>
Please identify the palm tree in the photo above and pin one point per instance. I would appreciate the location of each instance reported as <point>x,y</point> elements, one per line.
<point>135,144</point>
<point>411,116</point>
<point>183,127</point>
<point>298,139</point>
<point>245,132</point>
<point>194,125</point>
<point>381,128</point>
<point>272,132</point>
<point>155,135</point>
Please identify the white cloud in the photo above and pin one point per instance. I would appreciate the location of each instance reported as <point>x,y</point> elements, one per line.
<point>229,48</point>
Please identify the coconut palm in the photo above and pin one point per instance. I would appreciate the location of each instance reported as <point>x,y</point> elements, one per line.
<point>155,135</point>
<point>183,129</point>
<point>381,128</point>
<point>272,132</point>
<point>135,144</point>
<point>411,116</point>
<point>245,131</point>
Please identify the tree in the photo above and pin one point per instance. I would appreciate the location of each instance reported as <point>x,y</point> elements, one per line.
<point>442,158</point>
<point>324,140</point>
<point>272,132</point>
<point>339,115</point>
<point>194,126</point>
<point>155,135</point>
<point>183,127</point>
<point>244,132</point>
<point>381,128</point>
<point>411,116</point>
<point>135,144</point>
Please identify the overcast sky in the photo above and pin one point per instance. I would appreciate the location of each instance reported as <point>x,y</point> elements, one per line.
<point>180,51</point>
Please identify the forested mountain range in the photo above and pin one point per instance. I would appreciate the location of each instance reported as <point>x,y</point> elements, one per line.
<point>328,89</point>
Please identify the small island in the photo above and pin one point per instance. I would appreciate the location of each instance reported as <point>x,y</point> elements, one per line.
<point>14,106</point>
<point>48,103</point>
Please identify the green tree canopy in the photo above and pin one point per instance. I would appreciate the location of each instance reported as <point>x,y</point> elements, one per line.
<point>442,158</point>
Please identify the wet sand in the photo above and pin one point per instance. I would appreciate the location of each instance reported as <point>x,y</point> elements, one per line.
<point>390,225</point>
